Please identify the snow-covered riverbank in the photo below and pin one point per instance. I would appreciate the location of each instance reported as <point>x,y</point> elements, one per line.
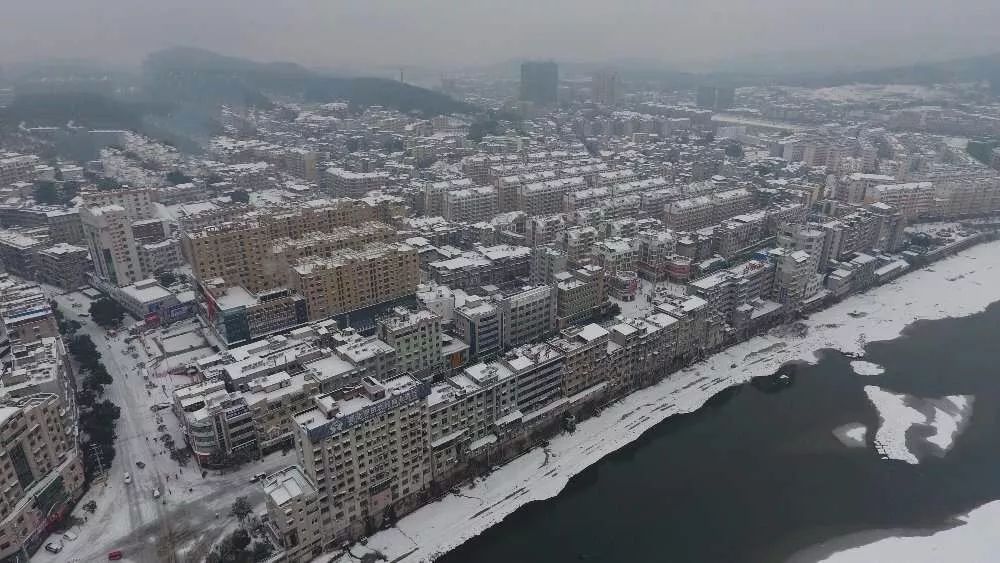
<point>973,539</point>
<point>958,286</point>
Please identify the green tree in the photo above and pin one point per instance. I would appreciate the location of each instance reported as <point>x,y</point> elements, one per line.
<point>177,177</point>
<point>107,312</point>
<point>241,540</point>
<point>241,509</point>
<point>261,551</point>
<point>240,196</point>
<point>167,278</point>
<point>46,193</point>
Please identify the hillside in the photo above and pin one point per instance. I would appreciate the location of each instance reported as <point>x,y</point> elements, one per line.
<point>189,74</point>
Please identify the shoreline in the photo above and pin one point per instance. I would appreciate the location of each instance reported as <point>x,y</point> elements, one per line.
<point>960,538</point>
<point>957,286</point>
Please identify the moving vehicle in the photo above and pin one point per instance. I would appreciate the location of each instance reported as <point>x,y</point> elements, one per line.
<point>128,478</point>
<point>115,555</point>
<point>156,493</point>
<point>54,546</point>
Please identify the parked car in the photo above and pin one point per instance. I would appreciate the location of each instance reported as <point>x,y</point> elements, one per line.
<point>258,477</point>
<point>115,555</point>
<point>53,547</point>
<point>70,536</point>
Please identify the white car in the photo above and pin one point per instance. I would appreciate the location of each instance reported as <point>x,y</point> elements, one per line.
<point>53,547</point>
<point>70,536</point>
<point>156,493</point>
<point>128,478</point>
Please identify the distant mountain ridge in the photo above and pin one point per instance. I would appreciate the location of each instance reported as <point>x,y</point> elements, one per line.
<point>188,73</point>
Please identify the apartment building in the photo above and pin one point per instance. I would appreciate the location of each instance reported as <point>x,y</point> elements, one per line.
<point>583,199</point>
<point>345,183</point>
<point>137,202</point>
<point>41,470</point>
<point>293,508</point>
<point>466,415</point>
<point>470,205</point>
<point>149,230</point>
<point>577,243</point>
<point>237,251</point>
<point>17,168</point>
<point>654,254</point>
<point>509,185</point>
<point>435,192</point>
<point>580,294</point>
<point>25,313</point>
<point>416,338</point>
<point>478,323</point>
<point>806,237</point>
<point>546,198</point>
<point>108,232</point>
<point>157,257</point>
<point>616,177</point>
<point>965,195</point>
<point>63,224</point>
<point>367,452</point>
<point>526,314</point>
<point>285,252</point>
<point>352,279</point>
<point>544,229</point>
<point>537,370</point>
<point>229,251</point>
<point>725,290</point>
<point>237,315</point>
<point>617,254</point>
<point>853,188</point>
<point>914,200</point>
<point>795,277</point>
<point>546,262</point>
<point>487,265</point>
<point>218,425</point>
<point>701,211</point>
<point>740,234</point>
<point>584,349</point>
<point>62,265</point>
<point>17,253</point>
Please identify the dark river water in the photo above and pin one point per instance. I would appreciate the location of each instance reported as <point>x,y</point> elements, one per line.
<point>757,474</point>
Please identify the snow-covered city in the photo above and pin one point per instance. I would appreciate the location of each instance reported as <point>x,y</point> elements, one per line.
<point>373,289</point>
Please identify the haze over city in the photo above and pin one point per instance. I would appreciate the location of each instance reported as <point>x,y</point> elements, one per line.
<point>329,281</point>
<point>448,34</point>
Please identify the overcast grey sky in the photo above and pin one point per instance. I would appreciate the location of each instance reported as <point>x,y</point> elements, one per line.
<point>447,33</point>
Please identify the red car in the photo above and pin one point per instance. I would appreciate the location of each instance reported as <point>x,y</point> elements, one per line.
<point>115,555</point>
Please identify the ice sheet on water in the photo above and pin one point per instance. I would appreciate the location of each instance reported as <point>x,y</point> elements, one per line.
<point>862,367</point>
<point>899,412</point>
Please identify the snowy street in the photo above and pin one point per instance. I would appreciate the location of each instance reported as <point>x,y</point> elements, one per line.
<point>192,512</point>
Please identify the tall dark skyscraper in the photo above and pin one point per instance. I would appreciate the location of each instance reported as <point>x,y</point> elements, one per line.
<point>540,82</point>
<point>716,98</point>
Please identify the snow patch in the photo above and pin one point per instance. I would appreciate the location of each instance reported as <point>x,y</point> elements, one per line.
<point>949,418</point>
<point>897,418</point>
<point>973,541</point>
<point>899,412</point>
<point>852,435</point>
<point>862,367</point>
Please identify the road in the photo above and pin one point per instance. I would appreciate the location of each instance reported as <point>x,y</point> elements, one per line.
<point>192,512</point>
